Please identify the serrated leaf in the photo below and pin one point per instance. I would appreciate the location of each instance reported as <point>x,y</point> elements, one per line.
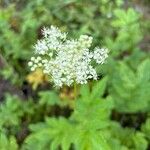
<point>91,140</point>
<point>129,87</point>
<point>85,91</point>
<point>7,143</point>
<point>143,72</point>
<point>52,133</point>
<point>99,89</point>
<point>48,98</point>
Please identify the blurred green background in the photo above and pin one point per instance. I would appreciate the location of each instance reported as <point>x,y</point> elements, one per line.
<point>114,115</point>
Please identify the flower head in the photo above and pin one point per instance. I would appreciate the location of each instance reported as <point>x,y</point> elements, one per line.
<point>66,60</point>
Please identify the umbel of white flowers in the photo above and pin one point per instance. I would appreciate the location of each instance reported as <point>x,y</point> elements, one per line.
<point>66,60</point>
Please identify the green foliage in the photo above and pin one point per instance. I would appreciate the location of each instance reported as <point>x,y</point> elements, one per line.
<point>10,112</point>
<point>130,89</point>
<point>89,127</point>
<point>123,85</point>
<point>9,73</point>
<point>7,143</point>
<point>128,33</point>
<point>146,128</point>
<point>90,116</point>
<point>51,134</point>
<point>94,111</point>
<point>99,89</point>
<point>126,138</point>
<point>49,98</point>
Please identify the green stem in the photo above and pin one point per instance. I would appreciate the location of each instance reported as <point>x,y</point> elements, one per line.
<point>75,91</point>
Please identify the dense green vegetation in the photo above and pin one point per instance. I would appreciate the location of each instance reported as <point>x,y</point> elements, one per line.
<point>112,113</point>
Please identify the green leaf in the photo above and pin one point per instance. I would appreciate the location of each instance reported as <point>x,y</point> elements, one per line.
<point>130,87</point>
<point>140,141</point>
<point>10,111</point>
<point>89,140</point>
<point>99,89</point>
<point>143,72</point>
<point>48,98</point>
<point>146,129</point>
<point>7,143</point>
<point>52,133</point>
<point>85,91</point>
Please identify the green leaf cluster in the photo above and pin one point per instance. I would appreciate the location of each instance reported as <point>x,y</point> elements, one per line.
<point>130,88</point>
<point>7,143</point>
<point>83,128</point>
<point>128,34</point>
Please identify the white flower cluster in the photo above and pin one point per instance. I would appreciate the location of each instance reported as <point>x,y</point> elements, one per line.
<point>66,61</point>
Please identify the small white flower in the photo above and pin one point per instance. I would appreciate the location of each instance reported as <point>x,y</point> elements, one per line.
<point>36,60</point>
<point>39,58</point>
<point>50,54</point>
<point>40,64</point>
<point>30,63</point>
<point>41,47</point>
<point>86,41</point>
<point>32,58</point>
<point>100,55</point>
<point>32,69</point>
